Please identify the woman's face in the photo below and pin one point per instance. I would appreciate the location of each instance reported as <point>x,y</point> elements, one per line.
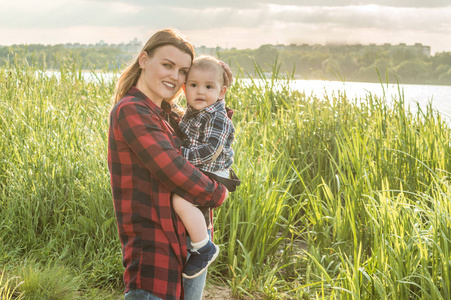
<point>164,73</point>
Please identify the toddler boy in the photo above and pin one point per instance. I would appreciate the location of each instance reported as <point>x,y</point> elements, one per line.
<point>210,134</point>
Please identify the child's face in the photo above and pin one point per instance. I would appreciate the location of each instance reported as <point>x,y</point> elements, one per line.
<point>203,88</point>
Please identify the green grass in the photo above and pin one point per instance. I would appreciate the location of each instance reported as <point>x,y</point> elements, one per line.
<point>53,282</point>
<point>9,287</point>
<point>340,198</point>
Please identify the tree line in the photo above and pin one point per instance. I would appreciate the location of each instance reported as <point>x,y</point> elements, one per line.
<point>385,63</point>
<point>55,56</point>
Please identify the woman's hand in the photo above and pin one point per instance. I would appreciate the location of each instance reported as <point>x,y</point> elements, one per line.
<point>228,76</point>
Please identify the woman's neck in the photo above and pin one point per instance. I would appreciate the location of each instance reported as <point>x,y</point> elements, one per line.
<point>146,91</point>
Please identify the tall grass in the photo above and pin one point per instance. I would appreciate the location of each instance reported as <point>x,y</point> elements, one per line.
<point>55,200</point>
<point>340,198</point>
<point>364,183</point>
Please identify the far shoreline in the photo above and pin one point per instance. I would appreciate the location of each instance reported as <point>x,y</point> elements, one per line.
<point>279,77</point>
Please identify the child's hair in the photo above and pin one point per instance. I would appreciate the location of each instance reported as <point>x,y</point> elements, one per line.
<point>203,62</point>
<point>206,62</point>
<point>130,76</point>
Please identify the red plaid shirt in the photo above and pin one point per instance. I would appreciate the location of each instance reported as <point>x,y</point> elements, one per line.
<point>146,167</point>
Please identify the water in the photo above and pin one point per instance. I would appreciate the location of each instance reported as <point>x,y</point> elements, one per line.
<point>415,95</point>
<point>438,96</point>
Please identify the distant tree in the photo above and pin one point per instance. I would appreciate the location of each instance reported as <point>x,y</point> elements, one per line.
<point>368,58</point>
<point>412,70</point>
<point>401,55</point>
<point>445,78</point>
<point>349,65</point>
<point>442,58</point>
<point>266,56</point>
<point>334,62</point>
<point>441,69</point>
<point>367,73</point>
<point>332,70</point>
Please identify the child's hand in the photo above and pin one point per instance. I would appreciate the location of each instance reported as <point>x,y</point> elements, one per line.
<point>228,76</point>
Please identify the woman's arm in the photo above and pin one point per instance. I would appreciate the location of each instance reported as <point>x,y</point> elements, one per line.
<point>143,132</point>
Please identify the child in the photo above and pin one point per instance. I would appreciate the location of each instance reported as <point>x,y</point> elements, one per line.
<point>210,133</point>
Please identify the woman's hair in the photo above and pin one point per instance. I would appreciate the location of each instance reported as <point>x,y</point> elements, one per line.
<point>205,62</point>
<point>164,37</point>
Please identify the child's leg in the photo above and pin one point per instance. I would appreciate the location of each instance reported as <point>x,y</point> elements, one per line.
<point>192,218</point>
<point>203,251</point>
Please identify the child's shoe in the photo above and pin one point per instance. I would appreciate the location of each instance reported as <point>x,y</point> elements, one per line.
<point>200,259</point>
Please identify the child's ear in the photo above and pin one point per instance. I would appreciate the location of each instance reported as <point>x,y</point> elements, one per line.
<point>223,92</point>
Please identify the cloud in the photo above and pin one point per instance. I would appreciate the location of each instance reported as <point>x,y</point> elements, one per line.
<point>197,14</point>
<point>368,16</point>
<point>239,23</point>
<point>49,14</point>
<point>300,3</point>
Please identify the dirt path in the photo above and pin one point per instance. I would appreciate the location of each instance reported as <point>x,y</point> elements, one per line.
<point>214,292</point>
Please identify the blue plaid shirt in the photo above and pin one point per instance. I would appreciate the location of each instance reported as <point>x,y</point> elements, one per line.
<point>210,131</point>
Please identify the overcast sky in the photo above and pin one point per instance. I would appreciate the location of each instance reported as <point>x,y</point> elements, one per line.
<point>234,23</point>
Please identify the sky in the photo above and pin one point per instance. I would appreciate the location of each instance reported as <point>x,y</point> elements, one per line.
<point>234,23</point>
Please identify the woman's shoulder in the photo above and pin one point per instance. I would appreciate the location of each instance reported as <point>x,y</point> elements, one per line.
<point>129,101</point>
<point>135,107</point>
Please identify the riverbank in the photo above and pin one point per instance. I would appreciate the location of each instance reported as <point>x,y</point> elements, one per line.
<point>416,96</point>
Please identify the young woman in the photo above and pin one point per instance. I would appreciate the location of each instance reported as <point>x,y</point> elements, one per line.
<point>146,169</point>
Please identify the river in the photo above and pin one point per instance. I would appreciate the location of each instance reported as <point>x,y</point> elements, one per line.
<point>415,95</point>
<point>438,95</point>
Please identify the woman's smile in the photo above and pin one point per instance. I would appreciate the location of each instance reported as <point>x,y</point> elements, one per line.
<point>169,85</point>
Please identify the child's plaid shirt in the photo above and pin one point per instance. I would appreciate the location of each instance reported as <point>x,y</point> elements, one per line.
<point>211,133</point>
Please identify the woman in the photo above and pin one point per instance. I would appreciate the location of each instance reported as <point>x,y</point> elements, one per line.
<point>146,167</point>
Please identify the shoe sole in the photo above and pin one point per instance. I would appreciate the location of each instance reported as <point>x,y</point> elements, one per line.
<point>204,269</point>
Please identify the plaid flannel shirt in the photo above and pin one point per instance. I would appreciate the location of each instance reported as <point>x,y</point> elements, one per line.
<point>146,167</point>
<point>208,131</point>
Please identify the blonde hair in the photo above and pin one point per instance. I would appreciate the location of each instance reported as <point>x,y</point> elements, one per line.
<point>130,75</point>
<point>205,62</point>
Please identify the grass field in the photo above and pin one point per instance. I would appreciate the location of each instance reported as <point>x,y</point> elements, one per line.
<point>340,198</point>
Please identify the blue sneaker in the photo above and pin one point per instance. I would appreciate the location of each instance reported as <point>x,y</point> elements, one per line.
<point>200,259</point>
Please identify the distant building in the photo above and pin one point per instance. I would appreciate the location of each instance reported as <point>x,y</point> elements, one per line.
<point>101,43</point>
<point>425,50</point>
<point>133,46</point>
<point>203,50</point>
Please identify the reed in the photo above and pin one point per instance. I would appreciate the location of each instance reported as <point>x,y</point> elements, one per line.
<point>8,287</point>
<point>340,198</point>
